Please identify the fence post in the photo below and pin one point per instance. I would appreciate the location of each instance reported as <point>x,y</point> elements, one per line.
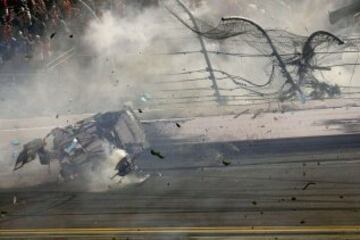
<point>209,68</point>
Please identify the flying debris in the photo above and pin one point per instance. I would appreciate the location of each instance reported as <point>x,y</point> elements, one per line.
<point>226,163</point>
<point>156,154</point>
<point>3,214</point>
<point>295,66</point>
<point>52,35</point>
<point>308,185</point>
<point>115,137</point>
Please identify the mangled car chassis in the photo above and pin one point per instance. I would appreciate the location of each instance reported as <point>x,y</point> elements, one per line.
<point>112,136</point>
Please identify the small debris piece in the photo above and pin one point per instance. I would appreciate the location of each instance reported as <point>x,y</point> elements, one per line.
<point>341,196</point>
<point>302,222</point>
<point>157,154</point>
<point>14,200</point>
<point>140,110</point>
<point>256,114</point>
<point>254,203</point>
<point>178,125</point>
<point>15,142</point>
<point>57,116</point>
<point>52,35</point>
<point>3,213</point>
<point>168,184</point>
<point>71,36</point>
<point>308,184</point>
<point>226,162</point>
<point>293,199</point>
<point>243,112</point>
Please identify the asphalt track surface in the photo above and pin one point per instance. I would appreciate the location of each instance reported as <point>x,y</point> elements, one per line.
<point>270,189</point>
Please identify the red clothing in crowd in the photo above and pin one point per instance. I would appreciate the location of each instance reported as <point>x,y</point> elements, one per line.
<point>67,9</point>
<point>7,33</point>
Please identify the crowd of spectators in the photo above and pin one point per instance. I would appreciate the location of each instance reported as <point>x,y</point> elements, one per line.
<point>26,26</point>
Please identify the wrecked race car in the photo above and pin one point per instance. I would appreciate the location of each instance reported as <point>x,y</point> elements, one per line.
<point>116,138</point>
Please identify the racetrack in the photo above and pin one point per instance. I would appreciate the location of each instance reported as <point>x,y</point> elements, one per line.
<point>278,187</point>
